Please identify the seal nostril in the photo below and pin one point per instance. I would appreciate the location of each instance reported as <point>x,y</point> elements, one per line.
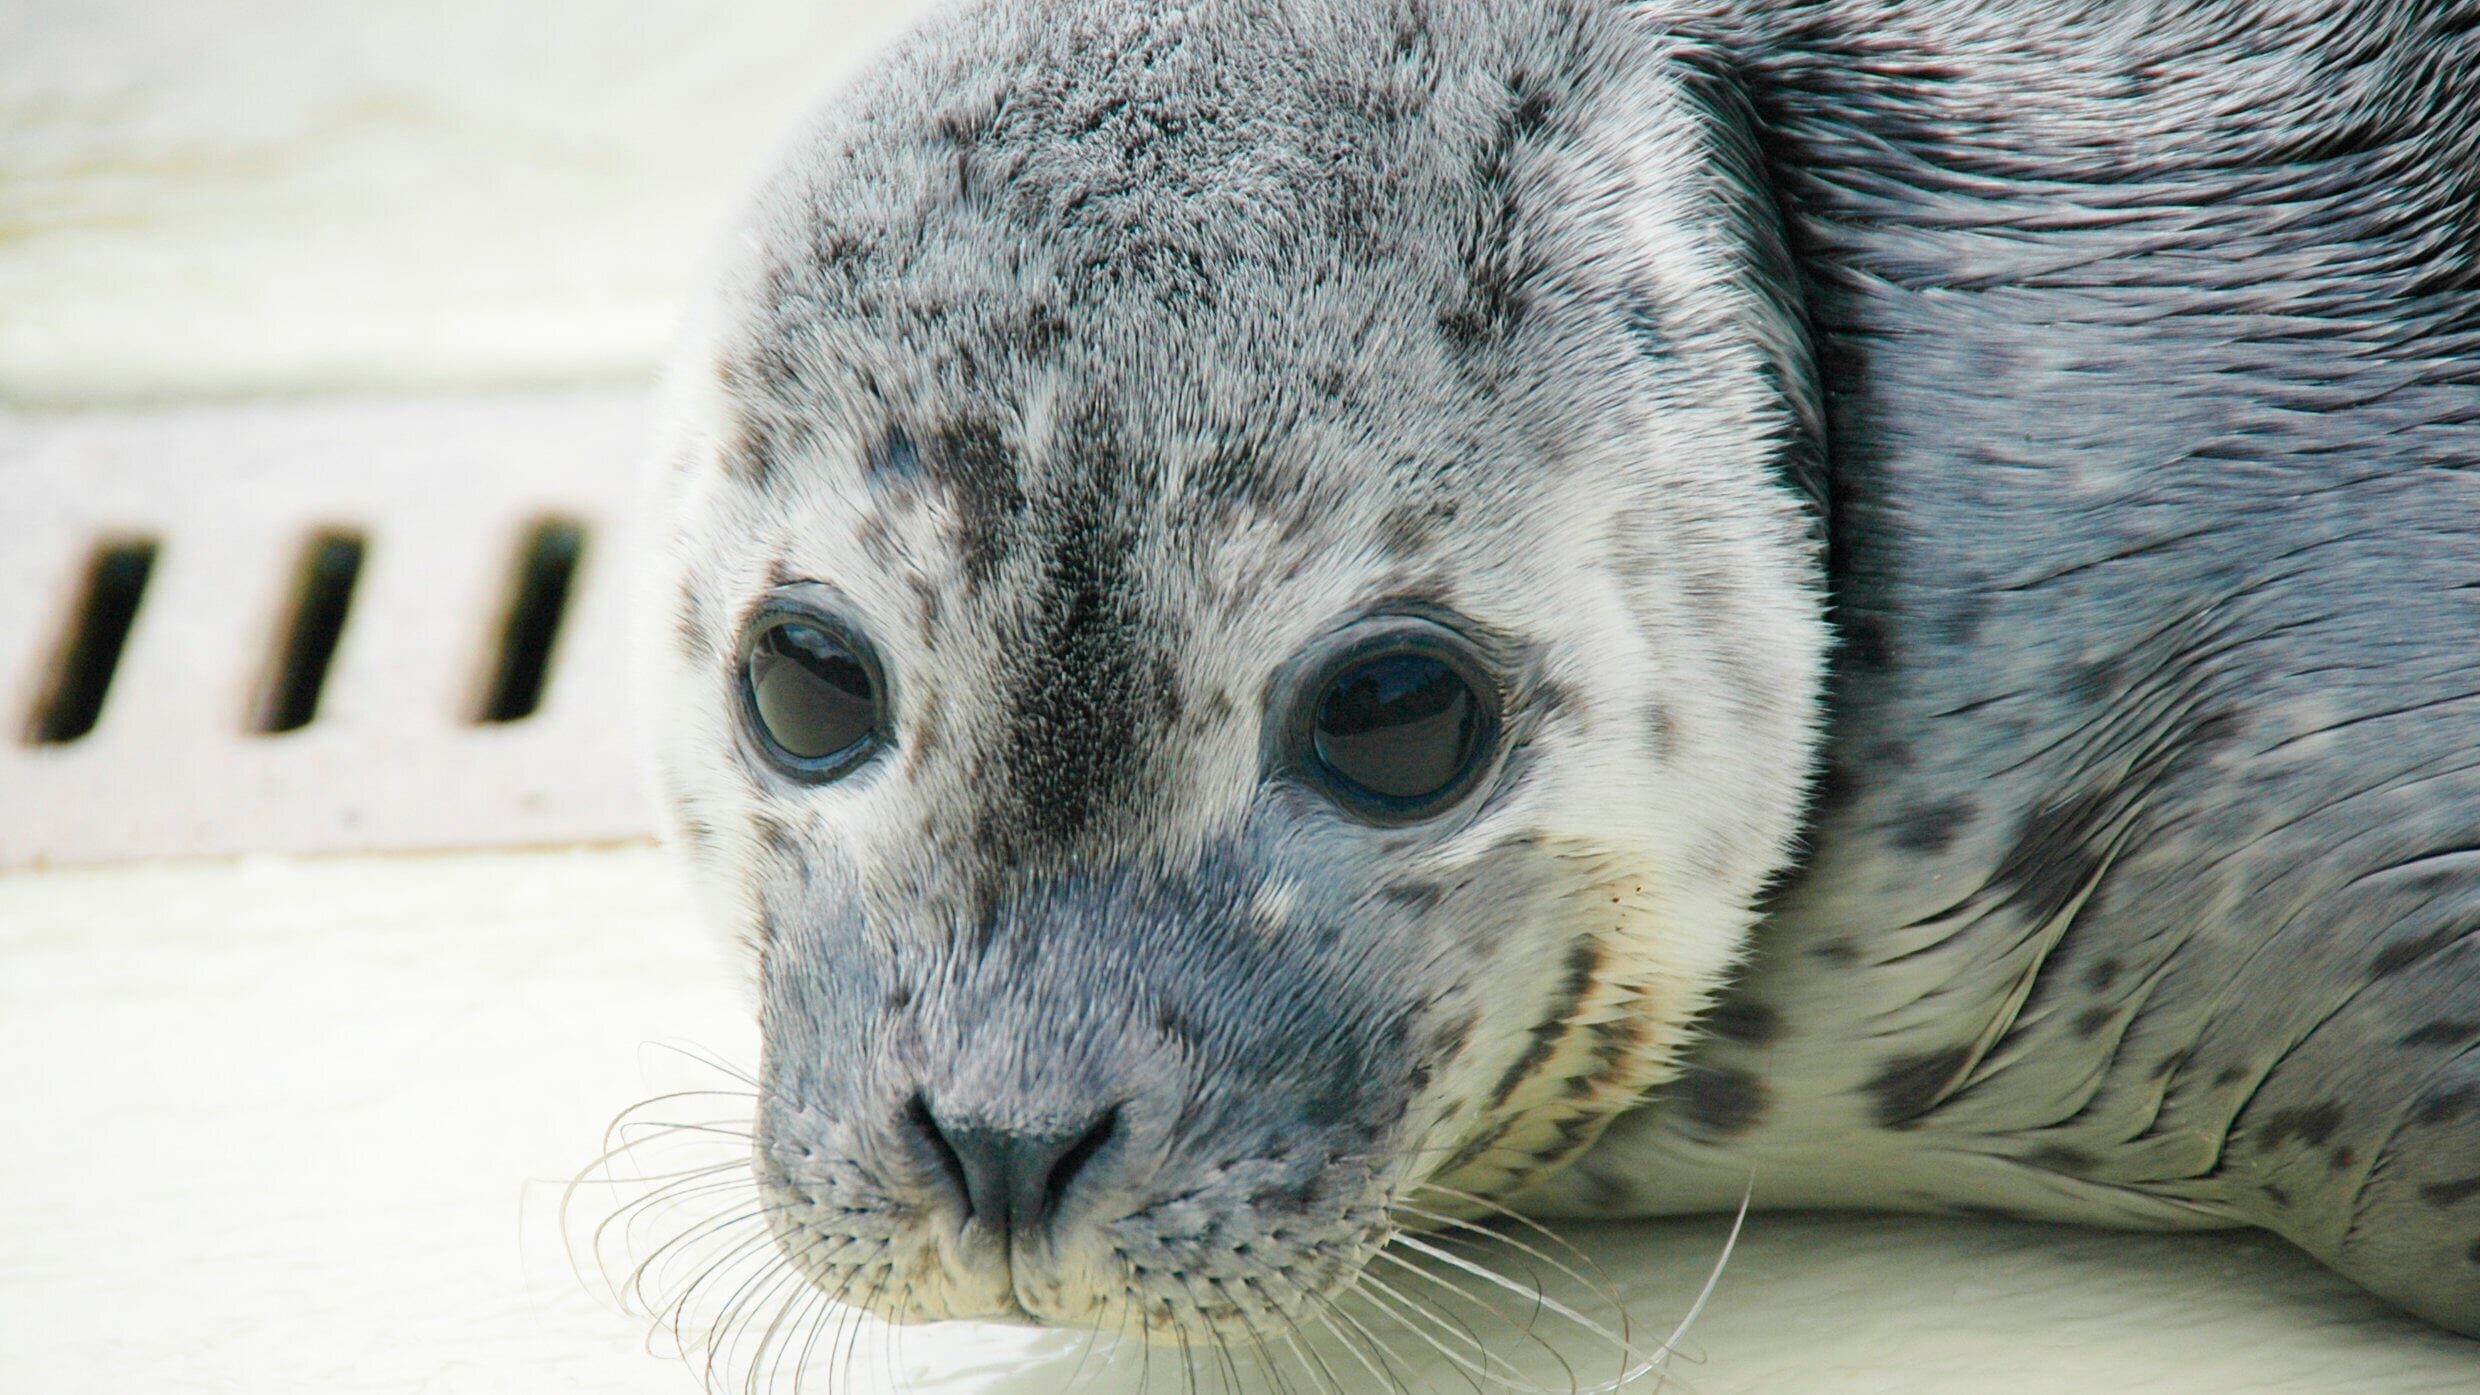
<point>1064,1172</point>
<point>933,1139</point>
<point>1013,1180</point>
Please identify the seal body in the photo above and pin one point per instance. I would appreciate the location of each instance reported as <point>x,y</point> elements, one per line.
<point>1099,384</point>
<point>2141,887</point>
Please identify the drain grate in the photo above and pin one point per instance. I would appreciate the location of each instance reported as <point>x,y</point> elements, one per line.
<point>316,627</point>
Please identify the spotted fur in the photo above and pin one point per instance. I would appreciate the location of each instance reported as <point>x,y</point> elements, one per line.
<point>2113,369</point>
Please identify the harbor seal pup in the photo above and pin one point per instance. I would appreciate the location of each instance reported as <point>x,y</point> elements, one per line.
<point>1259,593</point>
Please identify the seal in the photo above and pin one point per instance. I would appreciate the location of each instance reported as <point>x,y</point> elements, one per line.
<point>1289,621</point>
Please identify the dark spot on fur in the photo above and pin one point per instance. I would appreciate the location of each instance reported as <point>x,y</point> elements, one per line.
<point>1909,1086</point>
<point>1169,1022</point>
<point>899,997</point>
<point>2075,1162</point>
<point>1413,893</point>
<point>2451,1193</point>
<point>1086,683</point>
<point>2279,1196</point>
<point>698,834</point>
<point>2102,976</point>
<point>1408,528</point>
<point>2312,1125</point>
<point>1963,618</point>
<point>2396,958</point>
<point>2215,731</point>
<point>927,729</point>
<point>969,456</point>
<point>2444,1033</point>
<point>1661,731</point>
<point>2444,1106</point>
<point>1720,1102</point>
<point>2091,1022</point>
<point>1929,829</point>
<point>1866,644</point>
<point>877,537</point>
<point>2228,1076</point>
<point>2342,1157</point>
<point>2059,847</point>
<point>1837,785</point>
<point>1646,323</point>
<point>1836,952</point>
<point>1498,271</point>
<point>1033,333</point>
<point>1614,1040</point>
<point>1449,1041</point>
<point>892,457</point>
<point>932,605</point>
<point>1745,1021</point>
<point>2098,681</point>
<point>1584,961</point>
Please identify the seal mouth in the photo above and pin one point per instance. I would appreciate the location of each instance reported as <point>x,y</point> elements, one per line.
<point>1420,1298</point>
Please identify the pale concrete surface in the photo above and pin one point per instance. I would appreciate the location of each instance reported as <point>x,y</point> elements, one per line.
<point>278,1126</point>
<point>291,196</point>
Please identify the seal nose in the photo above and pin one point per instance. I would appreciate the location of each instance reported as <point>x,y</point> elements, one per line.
<point>1013,1180</point>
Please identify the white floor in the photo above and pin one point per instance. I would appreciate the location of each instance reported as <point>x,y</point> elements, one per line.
<point>278,1126</point>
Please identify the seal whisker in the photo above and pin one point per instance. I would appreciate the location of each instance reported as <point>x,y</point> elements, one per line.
<point>1495,1279</point>
<point>1312,1362</point>
<point>1599,1283</point>
<point>1360,1347</point>
<point>1475,1233</point>
<point>640,1277</point>
<point>677,1308</point>
<point>676,1189</point>
<point>731,1192</point>
<point>1660,1360</point>
<point>1399,1308</point>
<point>813,1323</point>
<point>1501,1211</point>
<point>734,1319</point>
<point>813,1302</point>
<point>1529,1328</point>
<point>857,1317</point>
<point>697,1054</point>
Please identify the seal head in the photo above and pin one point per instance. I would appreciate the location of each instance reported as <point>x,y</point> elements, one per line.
<point>1247,631</point>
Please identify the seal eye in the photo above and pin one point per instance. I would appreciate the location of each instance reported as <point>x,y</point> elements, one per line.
<point>1397,733</point>
<point>812,693</point>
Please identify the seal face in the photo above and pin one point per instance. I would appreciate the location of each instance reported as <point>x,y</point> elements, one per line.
<point>1248,624</point>
<point>1243,647</point>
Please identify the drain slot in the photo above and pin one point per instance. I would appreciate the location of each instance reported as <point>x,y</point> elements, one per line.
<point>538,602</point>
<point>322,596</point>
<point>116,577</point>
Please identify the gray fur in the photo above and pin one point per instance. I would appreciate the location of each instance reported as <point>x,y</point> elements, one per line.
<point>2125,357</point>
